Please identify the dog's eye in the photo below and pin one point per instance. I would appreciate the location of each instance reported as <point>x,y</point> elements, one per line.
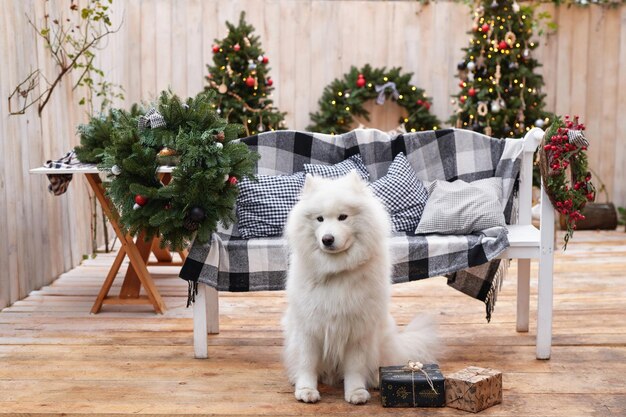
<point>320,219</point>
<point>342,217</point>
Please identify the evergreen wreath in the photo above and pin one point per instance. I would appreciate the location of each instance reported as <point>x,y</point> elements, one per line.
<point>564,146</point>
<point>343,99</point>
<point>202,189</point>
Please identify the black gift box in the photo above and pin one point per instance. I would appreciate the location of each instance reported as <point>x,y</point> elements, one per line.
<point>404,386</point>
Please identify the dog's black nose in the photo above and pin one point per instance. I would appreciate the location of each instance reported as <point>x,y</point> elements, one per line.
<point>328,240</point>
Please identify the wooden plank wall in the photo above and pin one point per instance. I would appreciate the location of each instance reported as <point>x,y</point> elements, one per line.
<point>41,235</point>
<point>167,43</point>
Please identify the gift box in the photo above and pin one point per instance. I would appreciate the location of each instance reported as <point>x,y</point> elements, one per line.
<point>414,385</point>
<point>474,389</point>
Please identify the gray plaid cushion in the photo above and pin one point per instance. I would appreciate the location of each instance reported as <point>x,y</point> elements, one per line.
<point>461,208</point>
<point>339,170</point>
<point>263,205</point>
<point>402,193</point>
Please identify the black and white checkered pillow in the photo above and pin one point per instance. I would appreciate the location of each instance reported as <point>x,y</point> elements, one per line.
<point>461,208</point>
<point>355,162</point>
<point>402,193</point>
<point>263,205</point>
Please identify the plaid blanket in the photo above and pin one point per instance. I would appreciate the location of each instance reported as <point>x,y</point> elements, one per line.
<point>230,263</point>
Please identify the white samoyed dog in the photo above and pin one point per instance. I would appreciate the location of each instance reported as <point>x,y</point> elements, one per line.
<point>337,324</point>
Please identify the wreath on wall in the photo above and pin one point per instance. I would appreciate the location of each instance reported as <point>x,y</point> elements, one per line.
<point>564,170</point>
<point>343,99</point>
<point>201,190</point>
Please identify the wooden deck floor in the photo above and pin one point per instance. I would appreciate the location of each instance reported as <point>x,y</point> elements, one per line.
<point>57,358</point>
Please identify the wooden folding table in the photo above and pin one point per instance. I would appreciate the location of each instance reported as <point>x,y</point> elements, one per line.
<point>138,251</point>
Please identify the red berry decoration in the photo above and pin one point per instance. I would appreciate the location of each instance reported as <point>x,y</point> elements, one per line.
<point>564,171</point>
<point>269,82</point>
<point>265,60</point>
<point>472,92</point>
<point>216,49</point>
<point>485,28</point>
<point>503,45</point>
<point>236,47</point>
<point>141,200</point>
<point>233,180</point>
<point>250,82</point>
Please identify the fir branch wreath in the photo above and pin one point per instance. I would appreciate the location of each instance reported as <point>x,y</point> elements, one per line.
<point>565,172</point>
<point>343,99</point>
<point>202,188</point>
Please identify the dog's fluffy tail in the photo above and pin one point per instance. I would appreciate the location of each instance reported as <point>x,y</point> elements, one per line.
<point>417,342</point>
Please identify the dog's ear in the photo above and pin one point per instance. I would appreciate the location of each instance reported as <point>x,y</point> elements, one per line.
<point>356,180</point>
<point>310,183</point>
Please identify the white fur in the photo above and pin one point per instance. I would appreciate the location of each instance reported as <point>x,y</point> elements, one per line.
<point>337,324</point>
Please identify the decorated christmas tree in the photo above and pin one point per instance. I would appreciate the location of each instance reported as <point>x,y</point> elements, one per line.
<point>240,77</point>
<point>500,90</point>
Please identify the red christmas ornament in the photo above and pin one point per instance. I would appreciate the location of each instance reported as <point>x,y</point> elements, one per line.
<point>462,84</point>
<point>420,102</point>
<point>471,92</point>
<point>216,49</point>
<point>485,28</point>
<point>360,82</point>
<point>236,47</point>
<point>232,180</point>
<point>462,99</point>
<point>269,82</point>
<point>427,105</point>
<point>250,81</point>
<point>503,45</point>
<point>141,200</point>
<point>265,60</point>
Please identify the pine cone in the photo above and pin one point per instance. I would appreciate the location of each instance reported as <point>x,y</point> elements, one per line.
<point>190,224</point>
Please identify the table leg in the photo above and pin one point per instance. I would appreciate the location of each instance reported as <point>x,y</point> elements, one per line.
<point>132,284</point>
<point>106,286</point>
<point>136,254</point>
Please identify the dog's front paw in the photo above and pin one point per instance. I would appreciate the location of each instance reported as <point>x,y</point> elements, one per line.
<point>357,396</point>
<point>307,395</point>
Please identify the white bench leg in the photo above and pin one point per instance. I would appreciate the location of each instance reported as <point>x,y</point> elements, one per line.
<point>544,286</point>
<point>205,319</point>
<point>523,294</point>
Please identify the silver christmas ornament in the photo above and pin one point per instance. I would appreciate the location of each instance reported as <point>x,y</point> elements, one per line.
<point>539,122</point>
<point>219,145</point>
<point>116,170</point>
<point>260,127</point>
<point>515,7</point>
<point>495,107</point>
<point>136,206</point>
<point>471,65</point>
<point>226,177</point>
<point>260,58</point>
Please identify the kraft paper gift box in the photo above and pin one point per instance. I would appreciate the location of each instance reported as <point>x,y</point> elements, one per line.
<point>474,389</point>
